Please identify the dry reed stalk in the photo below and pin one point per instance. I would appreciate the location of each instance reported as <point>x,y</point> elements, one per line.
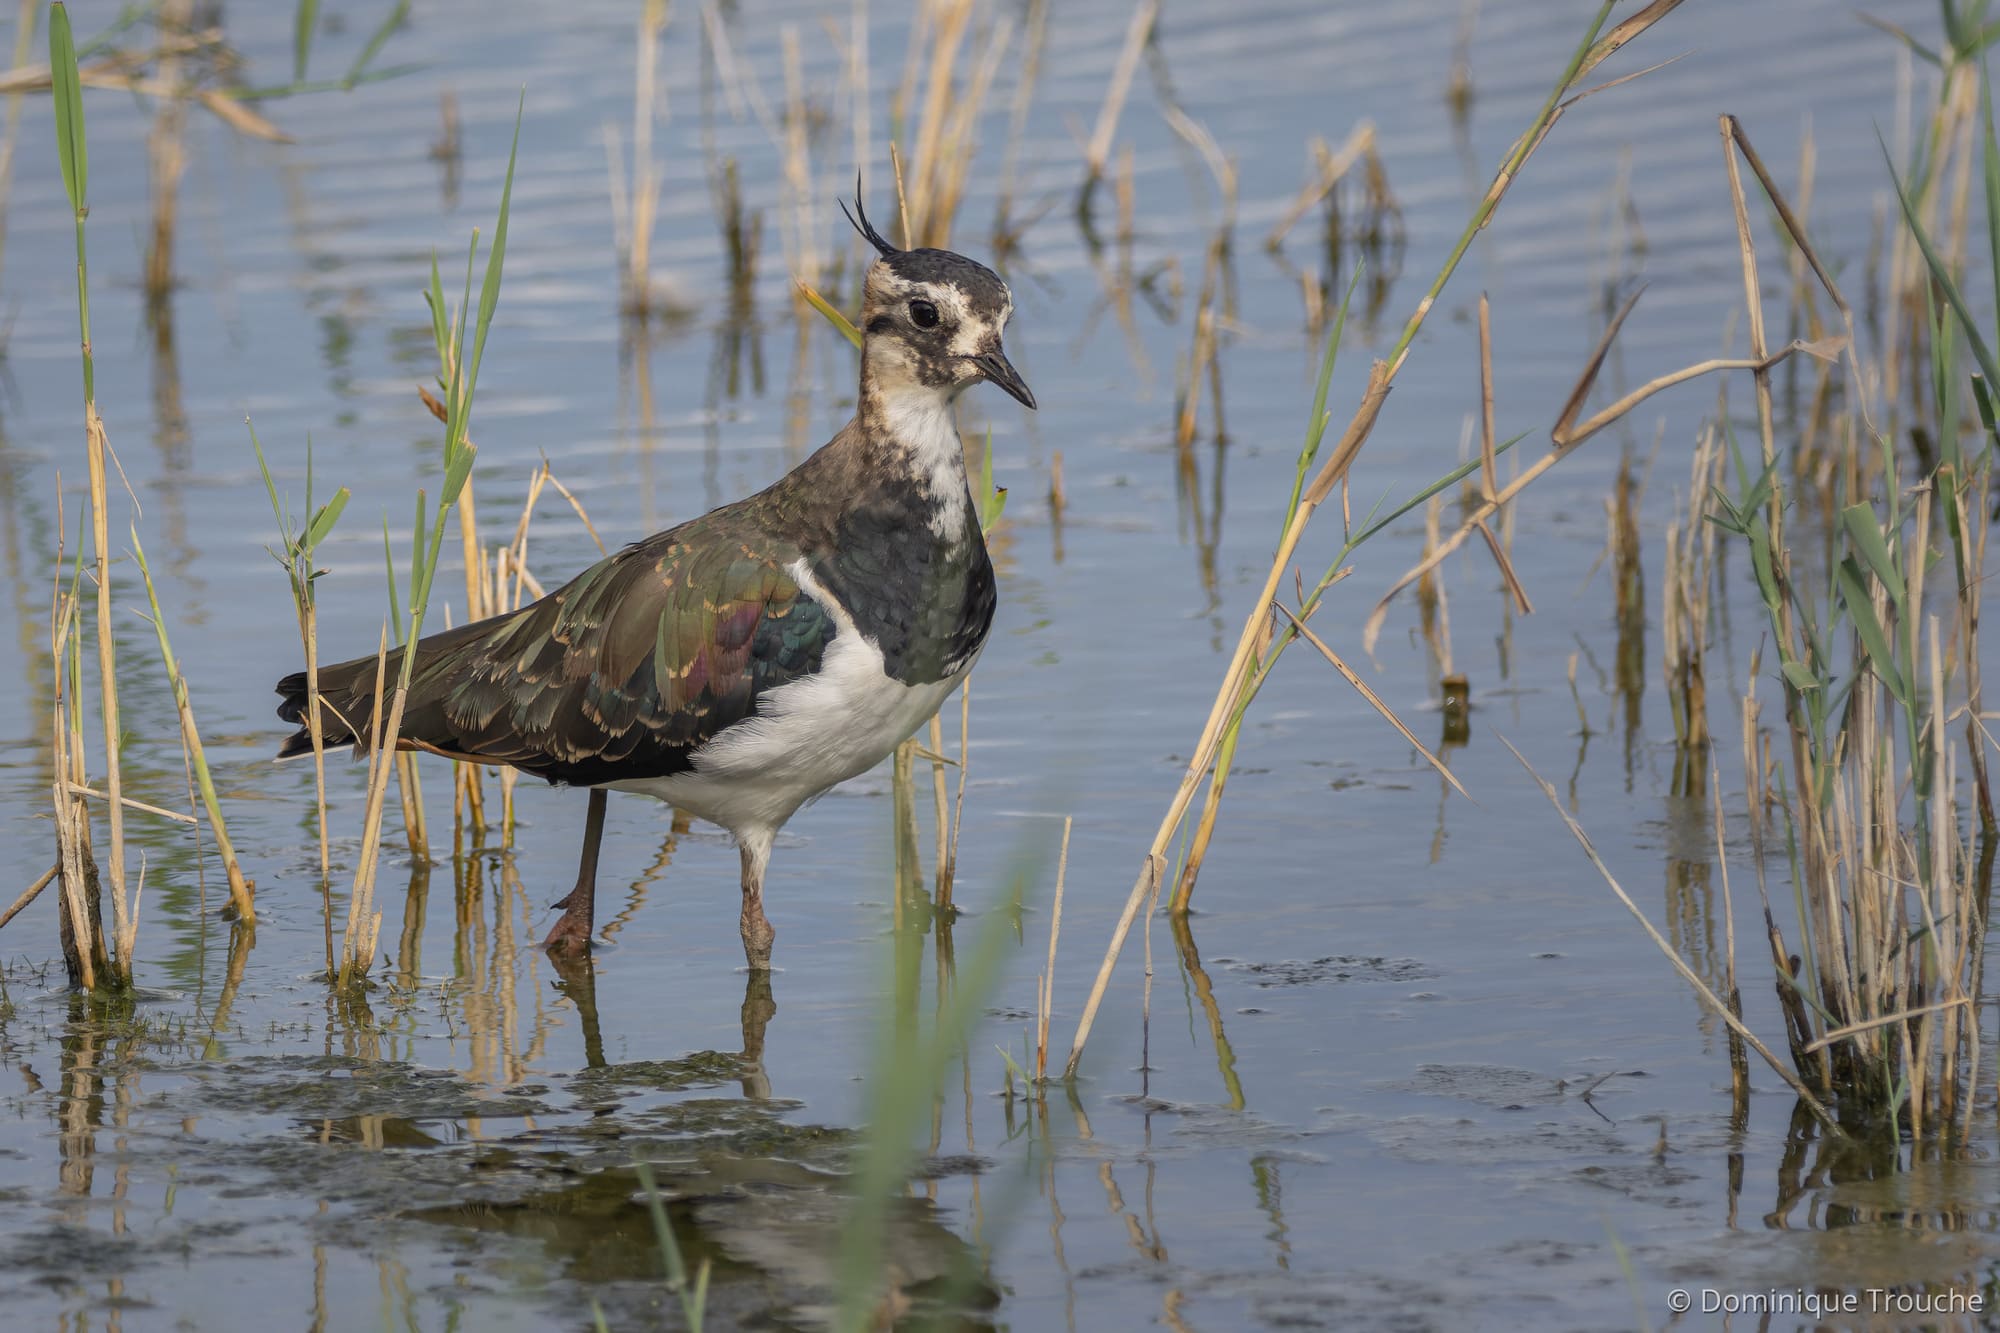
<point>240,889</point>
<point>1739,1059</point>
<point>1805,310</point>
<point>941,803</point>
<point>933,165</point>
<point>143,807</point>
<point>1097,153</point>
<point>645,185</point>
<point>1202,355</point>
<point>308,616</point>
<point>448,147</point>
<point>739,83</point>
<point>1240,676</point>
<point>1458,84</point>
<point>468,780</point>
<point>1433,609</point>
<point>1128,209</point>
<point>1045,996</point>
<point>1330,166</point>
<point>948,868</point>
<point>1685,598</point>
<point>1489,468</point>
<point>83,952</point>
<point>1006,234</point>
<point>796,146</point>
<point>1629,585</point>
<point>1568,435</point>
<point>73,154</point>
<point>363,922</point>
<point>97,447</point>
<point>410,801</point>
<point>1374,700</point>
<point>165,155</point>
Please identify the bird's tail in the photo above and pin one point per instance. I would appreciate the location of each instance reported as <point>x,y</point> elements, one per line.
<point>348,699</point>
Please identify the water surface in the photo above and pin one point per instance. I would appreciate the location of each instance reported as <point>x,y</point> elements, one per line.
<point>1359,1101</point>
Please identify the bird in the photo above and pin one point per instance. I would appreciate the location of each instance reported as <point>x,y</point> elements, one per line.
<point>739,665</point>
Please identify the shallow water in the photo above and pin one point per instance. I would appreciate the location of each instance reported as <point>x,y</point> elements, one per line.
<point>1412,1067</point>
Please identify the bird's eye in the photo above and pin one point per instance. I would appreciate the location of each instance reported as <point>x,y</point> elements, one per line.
<point>923,314</point>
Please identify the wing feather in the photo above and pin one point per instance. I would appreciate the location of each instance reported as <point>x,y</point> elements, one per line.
<point>624,672</point>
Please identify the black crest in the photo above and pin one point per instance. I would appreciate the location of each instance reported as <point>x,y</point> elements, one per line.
<point>858,219</point>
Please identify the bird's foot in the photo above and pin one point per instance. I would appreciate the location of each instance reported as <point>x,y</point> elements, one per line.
<point>571,932</point>
<point>757,937</point>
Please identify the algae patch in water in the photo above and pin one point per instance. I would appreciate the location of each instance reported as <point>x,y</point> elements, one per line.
<point>1340,968</point>
<point>315,1087</point>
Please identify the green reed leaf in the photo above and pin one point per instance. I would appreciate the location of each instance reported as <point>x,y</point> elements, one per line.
<point>70,144</point>
<point>1861,610</point>
<point>323,521</point>
<point>1865,533</point>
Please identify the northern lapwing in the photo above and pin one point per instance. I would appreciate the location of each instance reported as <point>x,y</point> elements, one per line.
<point>739,665</point>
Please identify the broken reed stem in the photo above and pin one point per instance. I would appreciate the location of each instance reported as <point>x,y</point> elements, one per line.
<point>82,949</point>
<point>144,808</point>
<point>1045,1001</point>
<point>32,892</point>
<point>1238,676</point>
<point>1374,700</point>
<point>240,894</point>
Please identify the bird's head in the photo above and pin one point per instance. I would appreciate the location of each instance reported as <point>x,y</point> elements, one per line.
<point>933,318</point>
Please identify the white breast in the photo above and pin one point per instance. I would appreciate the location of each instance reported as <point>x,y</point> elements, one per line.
<point>920,420</point>
<point>807,736</point>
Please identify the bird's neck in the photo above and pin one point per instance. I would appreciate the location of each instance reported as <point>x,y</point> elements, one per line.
<point>914,424</point>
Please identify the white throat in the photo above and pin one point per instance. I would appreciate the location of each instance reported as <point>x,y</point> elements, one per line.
<point>920,421</point>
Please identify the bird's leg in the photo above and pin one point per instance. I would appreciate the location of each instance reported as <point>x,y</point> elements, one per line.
<point>755,850</point>
<point>571,931</point>
<point>576,980</point>
<point>758,1007</point>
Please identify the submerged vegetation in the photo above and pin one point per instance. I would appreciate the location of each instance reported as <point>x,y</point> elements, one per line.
<point>1850,491</point>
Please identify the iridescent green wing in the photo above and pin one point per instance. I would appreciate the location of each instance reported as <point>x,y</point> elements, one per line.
<point>628,668</point>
